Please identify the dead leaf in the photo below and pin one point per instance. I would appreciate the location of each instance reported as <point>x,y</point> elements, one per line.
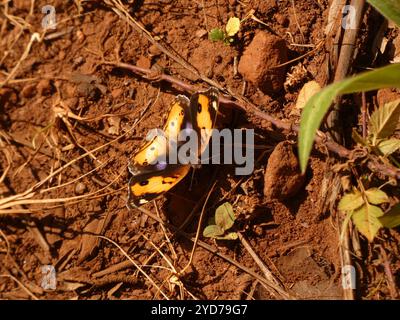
<point>308,90</point>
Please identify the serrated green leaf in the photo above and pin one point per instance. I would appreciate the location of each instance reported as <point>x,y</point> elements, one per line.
<point>387,147</point>
<point>224,216</point>
<point>212,231</point>
<point>233,26</point>
<point>317,107</point>
<point>216,34</point>
<point>228,236</point>
<point>366,219</point>
<point>351,201</point>
<point>391,219</point>
<point>384,120</point>
<point>389,8</point>
<point>376,196</point>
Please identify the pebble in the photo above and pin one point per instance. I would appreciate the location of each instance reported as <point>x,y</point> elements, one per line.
<point>80,188</point>
<point>259,61</point>
<point>282,178</point>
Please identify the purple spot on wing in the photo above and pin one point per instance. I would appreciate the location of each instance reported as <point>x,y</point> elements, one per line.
<point>161,165</point>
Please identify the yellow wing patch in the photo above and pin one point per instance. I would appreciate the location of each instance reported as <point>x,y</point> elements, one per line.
<point>157,148</point>
<point>151,151</point>
<point>204,106</point>
<point>203,117</point>
<point>175,121</point>
<point>143,188</point>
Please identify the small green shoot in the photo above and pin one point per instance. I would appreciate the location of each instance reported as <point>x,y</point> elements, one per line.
<point>223,220</point>
<point>227,36</point>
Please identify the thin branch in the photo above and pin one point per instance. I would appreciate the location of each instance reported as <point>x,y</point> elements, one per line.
<point>373,163</point>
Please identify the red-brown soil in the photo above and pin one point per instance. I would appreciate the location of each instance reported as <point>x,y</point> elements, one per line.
<point>63,101</point>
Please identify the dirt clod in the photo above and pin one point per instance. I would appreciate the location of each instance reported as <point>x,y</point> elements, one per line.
<point>29,91</point>
<point>259,61</point>
<point>282,177</point>
<point>44,87</point>
<point>80,188</point>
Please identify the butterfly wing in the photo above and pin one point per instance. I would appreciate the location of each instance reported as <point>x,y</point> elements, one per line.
<point>150,180</point>
<point>204,109</point>
<point>152,155</point>
<point>148,186</point>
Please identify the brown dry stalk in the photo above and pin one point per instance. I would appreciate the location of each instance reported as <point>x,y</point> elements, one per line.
<point>373,162</point>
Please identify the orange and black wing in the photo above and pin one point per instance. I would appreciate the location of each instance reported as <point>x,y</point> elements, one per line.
<point>148,186</point>
<point>204,109</point>
<point>152,155</point>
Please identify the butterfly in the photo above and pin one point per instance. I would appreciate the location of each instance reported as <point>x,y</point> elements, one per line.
<point>152,173</point>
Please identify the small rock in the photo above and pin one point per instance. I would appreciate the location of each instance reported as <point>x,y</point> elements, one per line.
<point>143,62</point>
<point>59,212</point>
<point>80,188</point>
<point>259,61</point>
<point>87,90</point>
<point>29,91</point>
<point>44,87</point>
<point>282,177</point>
<point>80,36</point>
<point>117,92</point>
<point>154,50</point>
<point>282,19</point>
<point>78,61</point>
<point>200,33</point>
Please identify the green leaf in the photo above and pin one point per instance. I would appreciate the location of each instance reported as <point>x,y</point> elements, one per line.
<point>366,220</point>
<point>351,201</point>
<point>387,147</point>
<point>384,120</point>
<point>212,231</point>
<point>228,236</point>
<point>233,26</point>
<point>389,8</point>
<point>376,196</point>
<point>316,108</point>
<point>216,34</point>
<point>391,219</point>
<point>224,216</point>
